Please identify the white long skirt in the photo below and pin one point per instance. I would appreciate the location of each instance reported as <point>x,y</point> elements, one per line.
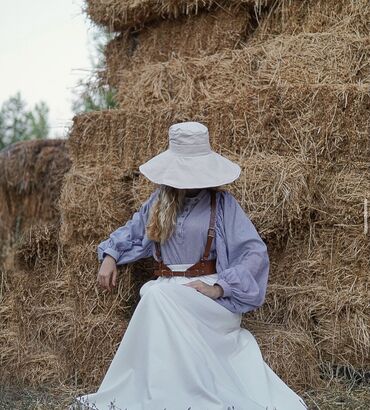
<point>184,351</point>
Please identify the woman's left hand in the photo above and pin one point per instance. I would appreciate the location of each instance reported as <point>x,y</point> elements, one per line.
<point>213,291</point>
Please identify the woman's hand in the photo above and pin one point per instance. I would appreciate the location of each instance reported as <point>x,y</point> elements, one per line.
<point>107,274</point>
<point>213,291</point>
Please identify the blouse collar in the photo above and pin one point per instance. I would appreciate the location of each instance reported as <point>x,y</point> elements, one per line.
<point>197,197</point>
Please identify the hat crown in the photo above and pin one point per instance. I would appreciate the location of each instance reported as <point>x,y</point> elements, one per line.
<point>189,137</point>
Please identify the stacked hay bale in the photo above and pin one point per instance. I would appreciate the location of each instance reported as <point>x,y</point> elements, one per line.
<point>284,89</point>
<point>33,295</point>
<point>95,200</point>
<point>30,179</point>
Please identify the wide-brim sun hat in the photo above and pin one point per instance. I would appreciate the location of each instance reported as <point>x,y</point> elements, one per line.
<point>189,162</point>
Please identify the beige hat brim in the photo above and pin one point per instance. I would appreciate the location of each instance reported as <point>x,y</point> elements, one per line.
<point>187,172</point>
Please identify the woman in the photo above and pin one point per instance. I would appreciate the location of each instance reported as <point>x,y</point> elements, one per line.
<point>184,347</point>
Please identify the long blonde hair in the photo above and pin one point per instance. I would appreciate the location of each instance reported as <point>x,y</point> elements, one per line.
<point>163,213</point>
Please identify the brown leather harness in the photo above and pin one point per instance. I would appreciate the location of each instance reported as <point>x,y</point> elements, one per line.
<point>204,266</point>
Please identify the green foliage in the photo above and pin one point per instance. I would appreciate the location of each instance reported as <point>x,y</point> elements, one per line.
<point>92,93</point>
<point>18,123</point>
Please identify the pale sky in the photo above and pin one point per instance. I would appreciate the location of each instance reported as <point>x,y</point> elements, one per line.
<point>44,50</point>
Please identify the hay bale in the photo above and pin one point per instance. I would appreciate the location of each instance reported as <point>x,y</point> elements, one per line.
<point>327,59</point>
<point>81,267</point>
<point>10,349</point>
<point>98,138</point>
<point>345,339</point>
<point>315,16</point>
<point>340,193</point>
<point>306,304</point>
<point>44,310</point>
<point>93,197</point>
<point>318,304</point>
<point>274,119</point>
<point>34,316</point>
<point>338,254</point>
<point>37,246</point>
<point>99,317</point>
<point>263,104</point>
<point>39,367</point>
<point>57,324</point>
<point>37,310</point>
<point>319,283</point>
<point>31,174</point>
<point>23,166</point>
<point>283,59</point>
<point>273,16</point>
<point>319,58</point>
<point>290,352</point>
<point>201,35</point>
<point>319,309</point>
<point>117,138</point>
<point>275,192</point>
<point>91,348</point>
<point>117,15</point>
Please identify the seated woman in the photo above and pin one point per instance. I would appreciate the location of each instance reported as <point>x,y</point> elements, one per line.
<point>184,347</point>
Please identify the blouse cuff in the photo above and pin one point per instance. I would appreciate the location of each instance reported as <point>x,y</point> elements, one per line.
<point>112,252</point>
<point>225,286</point>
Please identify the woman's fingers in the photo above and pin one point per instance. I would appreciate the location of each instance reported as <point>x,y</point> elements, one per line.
<point>107,276</point>
<point>114,276</point>
<point>202,287</point>
<point>104,279</point>
<point>99,279</point>
<point>196,284</point>
<point>107,281</point>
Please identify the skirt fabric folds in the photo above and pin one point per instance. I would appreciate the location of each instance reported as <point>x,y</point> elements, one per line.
<point>184,351</point>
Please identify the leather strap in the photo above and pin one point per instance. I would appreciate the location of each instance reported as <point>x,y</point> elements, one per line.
<point>158,250</point>
<point>204,266</point>
<point>200,268</point>
<point>211,229</point>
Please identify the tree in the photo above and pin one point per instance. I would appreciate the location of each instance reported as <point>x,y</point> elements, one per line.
<point>92,94</point>
<point>17,123</point>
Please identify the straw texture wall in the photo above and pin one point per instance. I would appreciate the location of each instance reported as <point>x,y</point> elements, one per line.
<point>284,89</point>
<point>117,15</point>
<point>31,174</point>
<point>32,295</point>
<point>204,34</point>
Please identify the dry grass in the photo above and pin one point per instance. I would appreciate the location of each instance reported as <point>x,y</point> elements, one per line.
<point>315,16</point>
<point>276,120</point>
<point>333,397</point>
<point>320,284</point>
<point>188,36</point>
<point>98,197</point>
<point>340,194</point>
<point>35,315</point>
<point>274,17</point>
<point>117,15</point>
<point>318,59</point>
<point>301,364</point>
<point>58,325</point>
<point>31,174</point>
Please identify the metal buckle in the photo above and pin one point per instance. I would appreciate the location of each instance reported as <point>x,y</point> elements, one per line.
<point>213,232</point>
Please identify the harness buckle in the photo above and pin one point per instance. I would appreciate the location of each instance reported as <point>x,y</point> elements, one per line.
<point>211,232</point>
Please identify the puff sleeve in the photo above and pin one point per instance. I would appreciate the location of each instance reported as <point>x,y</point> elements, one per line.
<point>242,258</point>
<point>129,242</point>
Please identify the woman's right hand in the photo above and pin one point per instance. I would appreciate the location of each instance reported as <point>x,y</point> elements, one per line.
<point>107,274</point>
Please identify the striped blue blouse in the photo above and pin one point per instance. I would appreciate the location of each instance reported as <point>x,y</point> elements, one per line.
<point>242,258</point>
